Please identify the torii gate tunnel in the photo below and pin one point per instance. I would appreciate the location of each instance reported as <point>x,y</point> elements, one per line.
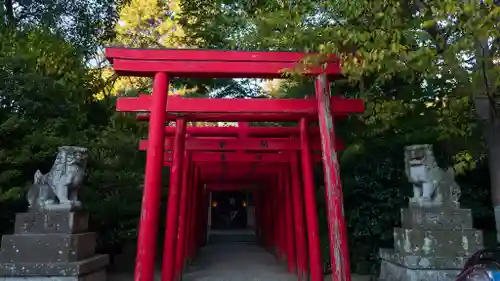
<point>275,163</point>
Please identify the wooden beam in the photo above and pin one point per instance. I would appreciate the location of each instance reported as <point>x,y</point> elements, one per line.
<point>202,55</point>
<point>237,157</point>
<point>223,186</point>
<point>220,107</point>
<point>235,131</point>
<point>201,63</point>
<point>237,172</point>
<point>250,144</point>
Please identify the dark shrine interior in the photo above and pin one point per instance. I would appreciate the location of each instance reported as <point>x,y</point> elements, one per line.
<point>229,210</point>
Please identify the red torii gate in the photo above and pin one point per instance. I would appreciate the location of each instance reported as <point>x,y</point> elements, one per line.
<point>165,64</point>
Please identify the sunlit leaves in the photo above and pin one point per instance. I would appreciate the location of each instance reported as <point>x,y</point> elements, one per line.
<point>150,24</point>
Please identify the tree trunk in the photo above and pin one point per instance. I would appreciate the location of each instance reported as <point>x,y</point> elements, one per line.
<point>9,13</point>
<point>492,140</point>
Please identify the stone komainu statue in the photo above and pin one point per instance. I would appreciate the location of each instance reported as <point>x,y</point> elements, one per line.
<point>58,189</point>
<point>432,186</point>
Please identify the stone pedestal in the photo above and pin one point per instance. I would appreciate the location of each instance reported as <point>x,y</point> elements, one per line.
<point>433,244</point>
<point>51,246</point>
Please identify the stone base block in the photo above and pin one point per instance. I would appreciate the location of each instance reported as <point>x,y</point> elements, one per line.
<point>94,276</point>
<point>437,242</point>
<point>51,222</point>
<point>395,272</point>
<point>436,218</point>
<point>420,262</point>
<point>33,248</point>
<point>77,268</point>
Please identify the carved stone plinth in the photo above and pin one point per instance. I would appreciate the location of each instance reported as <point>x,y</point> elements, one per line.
<point>433,244</point>
<point>51,246</point>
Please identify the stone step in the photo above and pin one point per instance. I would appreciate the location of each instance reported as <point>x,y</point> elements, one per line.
<point>436,218</point>
<point>77,268</point>
<point>433,242</point>
<point>419,262</point>
<point>44,248</point>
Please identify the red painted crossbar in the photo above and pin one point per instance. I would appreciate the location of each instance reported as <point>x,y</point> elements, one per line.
<point>300,107</point>
<point>201,63</point>
<point>234,117</point>
<point>236,157</point>
<point>237,171</point>
<point>236,131</point>
<point>250,144</point>
<point>232,186</point>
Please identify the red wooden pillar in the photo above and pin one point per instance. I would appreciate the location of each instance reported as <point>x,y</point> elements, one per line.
<point>263,222</point>
<point>203,216</point>
<point>258,217</point>
<point>205,204</point>
<point>315,263</point>
<point>290,237</point>
<point>148,224</point>
<point>192,217</point>
<point>201,221</point>
<point>168,265</point>
<point>280,222</point>
<point>298,214</point>
<point>182,225</point>
<point>268,218</point>
<point>339,251</point>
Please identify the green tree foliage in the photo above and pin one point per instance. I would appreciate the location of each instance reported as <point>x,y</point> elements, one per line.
<point>47,99</point>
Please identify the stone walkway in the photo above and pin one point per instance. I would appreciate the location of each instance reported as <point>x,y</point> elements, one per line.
<point>226,262</point>
<point>237,262</point>
<point>229,262</point>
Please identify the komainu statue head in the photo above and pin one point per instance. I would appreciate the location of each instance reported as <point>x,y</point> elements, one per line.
<point>73,156</point>
<point>419,158</point>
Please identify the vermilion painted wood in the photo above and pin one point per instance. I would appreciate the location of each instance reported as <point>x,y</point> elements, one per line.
<point>238,157</point>
<point>191,215</point>
<point>272,218</point>
<point>250,144</point>
<point>205,156</point>
<point>215,187</point>
<point>281,221</point>
<point>225,186</point>
<point>168,263</point>
<point>204,69</point>
<point>182,220</point>
<point>339,253</point>
<point>298,214</point>
<point>204,55</point>
<point>246,177</point>
<point>148,224</point>
<point>185,106</point>
<point>204,218</point>
<point>290,229</point>
<point>235,117</point>
<point>315,264</point>
<point>209,63</point>
<point>262,132</point>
